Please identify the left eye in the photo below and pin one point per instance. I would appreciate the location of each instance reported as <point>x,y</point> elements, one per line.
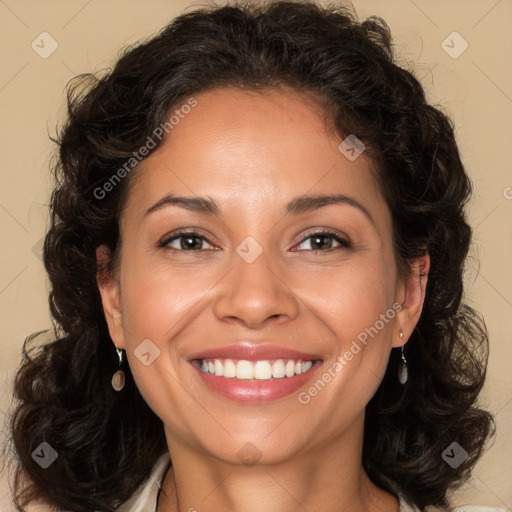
<point>323,241</point>
<point>189,242</point>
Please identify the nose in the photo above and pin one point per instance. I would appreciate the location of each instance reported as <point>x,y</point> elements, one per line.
<point>253,293</point>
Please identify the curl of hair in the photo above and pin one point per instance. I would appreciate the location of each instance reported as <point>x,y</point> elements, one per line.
<point>107,442</point>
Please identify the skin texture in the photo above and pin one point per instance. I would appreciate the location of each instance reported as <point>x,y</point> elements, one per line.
<point>253,153</point>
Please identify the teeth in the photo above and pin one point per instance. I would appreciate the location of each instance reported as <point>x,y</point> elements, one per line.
<point>217,366</point>
<point>244,370</point>
<point>262,370</point>
<point>259,370</point>
<point>229,368</point>
<point>278,369</point>
<point>290,369</point>
<point>304,366</point>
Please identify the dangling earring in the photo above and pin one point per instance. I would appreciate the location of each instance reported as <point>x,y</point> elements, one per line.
<point>403,374</point>
<point>118,378</point>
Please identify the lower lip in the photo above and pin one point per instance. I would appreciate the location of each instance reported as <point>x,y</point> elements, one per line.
<point>255,391</point>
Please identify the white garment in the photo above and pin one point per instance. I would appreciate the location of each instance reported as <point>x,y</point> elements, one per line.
<point>145,498</point>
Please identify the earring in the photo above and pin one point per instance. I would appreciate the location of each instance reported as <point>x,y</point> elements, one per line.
<point>403,374</point>
<point>118,378</point>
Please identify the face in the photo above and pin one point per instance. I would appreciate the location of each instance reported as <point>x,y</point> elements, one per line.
<point>254,277</point>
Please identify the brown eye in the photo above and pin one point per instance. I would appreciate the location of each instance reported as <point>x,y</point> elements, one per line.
<point>185,241</point>
<point>323,241</point>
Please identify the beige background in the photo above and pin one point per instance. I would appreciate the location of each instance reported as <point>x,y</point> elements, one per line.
<point>475,89</point>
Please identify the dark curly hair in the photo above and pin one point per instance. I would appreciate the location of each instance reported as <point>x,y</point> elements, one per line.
<point>108,442</point>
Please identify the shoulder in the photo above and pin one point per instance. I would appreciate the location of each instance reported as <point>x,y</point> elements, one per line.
<point>145,497</point>
<point>405,507</point>
<point>478,508</point>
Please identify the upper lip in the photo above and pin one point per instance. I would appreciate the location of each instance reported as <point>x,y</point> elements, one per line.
<point>250,351</point>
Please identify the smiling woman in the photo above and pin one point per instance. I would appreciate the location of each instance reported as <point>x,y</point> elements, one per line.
<point>266,305</point>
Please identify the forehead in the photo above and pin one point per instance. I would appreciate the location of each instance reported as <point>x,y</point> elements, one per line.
<point>253,149</point>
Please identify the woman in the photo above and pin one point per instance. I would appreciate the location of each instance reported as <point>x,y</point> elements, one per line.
<point>310,349</point>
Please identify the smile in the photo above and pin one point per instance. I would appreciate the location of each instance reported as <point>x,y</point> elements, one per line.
<point>257,370</point>
<point>254,373</point>
<point>254,382</point>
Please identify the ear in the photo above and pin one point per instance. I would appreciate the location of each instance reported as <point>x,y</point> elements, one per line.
<point>110,297</point>
<point>411,295</point>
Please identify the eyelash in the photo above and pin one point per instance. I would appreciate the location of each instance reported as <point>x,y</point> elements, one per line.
<point>344,243</point>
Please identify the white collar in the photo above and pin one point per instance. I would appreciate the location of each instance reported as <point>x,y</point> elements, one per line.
<point>146,496</point>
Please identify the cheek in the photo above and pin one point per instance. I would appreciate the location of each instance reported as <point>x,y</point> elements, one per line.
<point>157,305</point>
<point>159,300</point>
<point>352,298</point>
<point>356,309</point>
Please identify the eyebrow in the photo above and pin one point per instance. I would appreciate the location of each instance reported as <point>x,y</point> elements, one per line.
<point>297,206</point>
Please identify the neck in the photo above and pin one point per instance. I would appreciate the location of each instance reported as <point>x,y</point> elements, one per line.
<point>328,477</point>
